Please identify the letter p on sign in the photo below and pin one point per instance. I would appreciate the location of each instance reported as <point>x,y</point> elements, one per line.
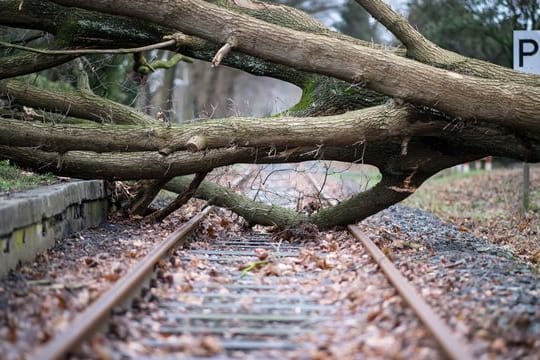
<point>527,51</point>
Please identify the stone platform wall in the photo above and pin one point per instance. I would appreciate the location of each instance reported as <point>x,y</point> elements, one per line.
<point>31,221</point>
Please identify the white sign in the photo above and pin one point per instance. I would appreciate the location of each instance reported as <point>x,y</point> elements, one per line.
<point>527,51</point>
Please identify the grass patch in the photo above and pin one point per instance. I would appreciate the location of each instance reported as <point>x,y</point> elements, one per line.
<point>13,178</point>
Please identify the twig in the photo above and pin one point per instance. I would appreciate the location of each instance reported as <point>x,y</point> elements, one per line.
<point>221,53</point>
<point>252,266</point>
<point>452,265</point>
<point>159,45</point>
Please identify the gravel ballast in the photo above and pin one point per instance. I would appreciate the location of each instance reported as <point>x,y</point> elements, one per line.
<point>480,289</point>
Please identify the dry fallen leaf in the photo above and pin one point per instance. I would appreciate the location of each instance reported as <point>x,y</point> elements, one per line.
<point>271,270</point>
<point>213,272</point>
<point>12,334</point>
<point>90,262</point>
<point>499,345</point>
<point>262,254</point>
<point>323,264</point>
<point>111,276</point>
<point>211,345</point>
<point>61,300</point>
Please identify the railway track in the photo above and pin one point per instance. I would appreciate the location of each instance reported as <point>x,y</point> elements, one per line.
<point>230,312</point>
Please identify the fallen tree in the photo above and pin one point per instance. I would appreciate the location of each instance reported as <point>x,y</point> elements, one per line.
<point>409,113</point>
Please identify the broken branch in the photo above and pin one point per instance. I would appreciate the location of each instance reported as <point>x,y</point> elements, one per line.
<point>223,51</point>
<point>179,201</point>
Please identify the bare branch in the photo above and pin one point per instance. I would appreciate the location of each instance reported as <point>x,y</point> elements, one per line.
<point>460,95</point>
<point>82,104</point>
<point>253,212</point>
<point>371,124</point>
<point>223,51</point>
<point>79,52</point>
<point>179,201</point>
<point>423,50</point>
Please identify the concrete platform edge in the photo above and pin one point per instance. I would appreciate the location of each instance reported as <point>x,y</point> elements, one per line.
<point>31,221</point>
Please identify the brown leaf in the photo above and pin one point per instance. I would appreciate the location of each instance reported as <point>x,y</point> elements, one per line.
<point>111,276</point>
<point>62,303</point>
<point>388,252</point>
<point>186,287</point>
<point>90,262</point>
<point>323,264</point>
<point>499,345</point>
<point>271,270</point>
<point>372,315</point>
<point>211,232</point>
<point>12,334</point>
<point>211,345</point>
<point>225,222</point>
<point>213,272</point>
<point>262,254</point>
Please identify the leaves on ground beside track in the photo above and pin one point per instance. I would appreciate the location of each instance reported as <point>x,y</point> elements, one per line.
<point>487,204</point>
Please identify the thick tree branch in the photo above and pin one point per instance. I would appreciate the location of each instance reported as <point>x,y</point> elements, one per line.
<point>139,205</point>
<point>463,96</point>
<point>22,64</point>
<point>79,52</point>
<point>389,191</point>
<point>408,143</point>
<point>327,95</point>
<point>253,212</point>
<point>130,166</point>
<point>152,165</point>
<point>371,124</point>
<point>423,50</point>
<point>393,187</point>
<point>82,104</point>
<point>395,23</point>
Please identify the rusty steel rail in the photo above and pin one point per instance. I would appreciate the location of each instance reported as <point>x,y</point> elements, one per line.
<point>454,347</point>
<point>97,313</point>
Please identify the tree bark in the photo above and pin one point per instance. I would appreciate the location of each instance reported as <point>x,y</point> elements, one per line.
<point>438,118</point>
<point>22,64</point>
<point>142,200</point>
<point>252,211</point>
<point>463,96</point>
<point>183,198</point>
<point>372,124</point>
<point>79,103</point>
